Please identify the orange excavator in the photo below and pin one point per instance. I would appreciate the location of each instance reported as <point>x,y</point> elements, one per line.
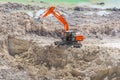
<point>70,38</point>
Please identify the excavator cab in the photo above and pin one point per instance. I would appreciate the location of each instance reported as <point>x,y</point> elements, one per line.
<point>69,36</point>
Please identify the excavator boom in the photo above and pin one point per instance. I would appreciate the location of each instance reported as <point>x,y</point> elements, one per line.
<point>57,15</point>
<point>47,12</point>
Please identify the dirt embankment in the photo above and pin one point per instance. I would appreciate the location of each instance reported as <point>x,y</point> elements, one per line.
<point>8,7</point>
<point>48,62</point>
<point>91,24</point>
<point>21,23</point>
<point>27,52</point>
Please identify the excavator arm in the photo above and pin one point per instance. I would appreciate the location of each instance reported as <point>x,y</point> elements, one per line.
<point>57,15</point>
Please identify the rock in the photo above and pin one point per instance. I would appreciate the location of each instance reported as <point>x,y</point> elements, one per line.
<point>1,45</point>
<point>113,9</point>
<point>17,46</point>
<point>43,70</point>
<point>75,73</point>
<point>80,8</point>
<point>42,2</point>
<point>99,61</point>
<point>101,3</point>
<point>100,75</point>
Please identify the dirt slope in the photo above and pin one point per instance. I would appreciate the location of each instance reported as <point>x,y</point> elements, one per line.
<point>27,51</point>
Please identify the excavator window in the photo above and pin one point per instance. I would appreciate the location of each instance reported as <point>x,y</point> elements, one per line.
<point>69,36</point>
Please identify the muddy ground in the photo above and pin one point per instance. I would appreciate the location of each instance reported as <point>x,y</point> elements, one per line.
<point>27,51</point>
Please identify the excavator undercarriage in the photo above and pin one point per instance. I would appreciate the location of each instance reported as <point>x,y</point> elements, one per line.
<point>68,40</point>
<point>75,44</point>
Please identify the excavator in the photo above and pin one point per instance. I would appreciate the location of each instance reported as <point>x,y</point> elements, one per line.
<point>69,37</point>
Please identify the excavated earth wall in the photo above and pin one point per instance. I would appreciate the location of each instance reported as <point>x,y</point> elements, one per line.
<point>48,62</point>
<point>27,51</point>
